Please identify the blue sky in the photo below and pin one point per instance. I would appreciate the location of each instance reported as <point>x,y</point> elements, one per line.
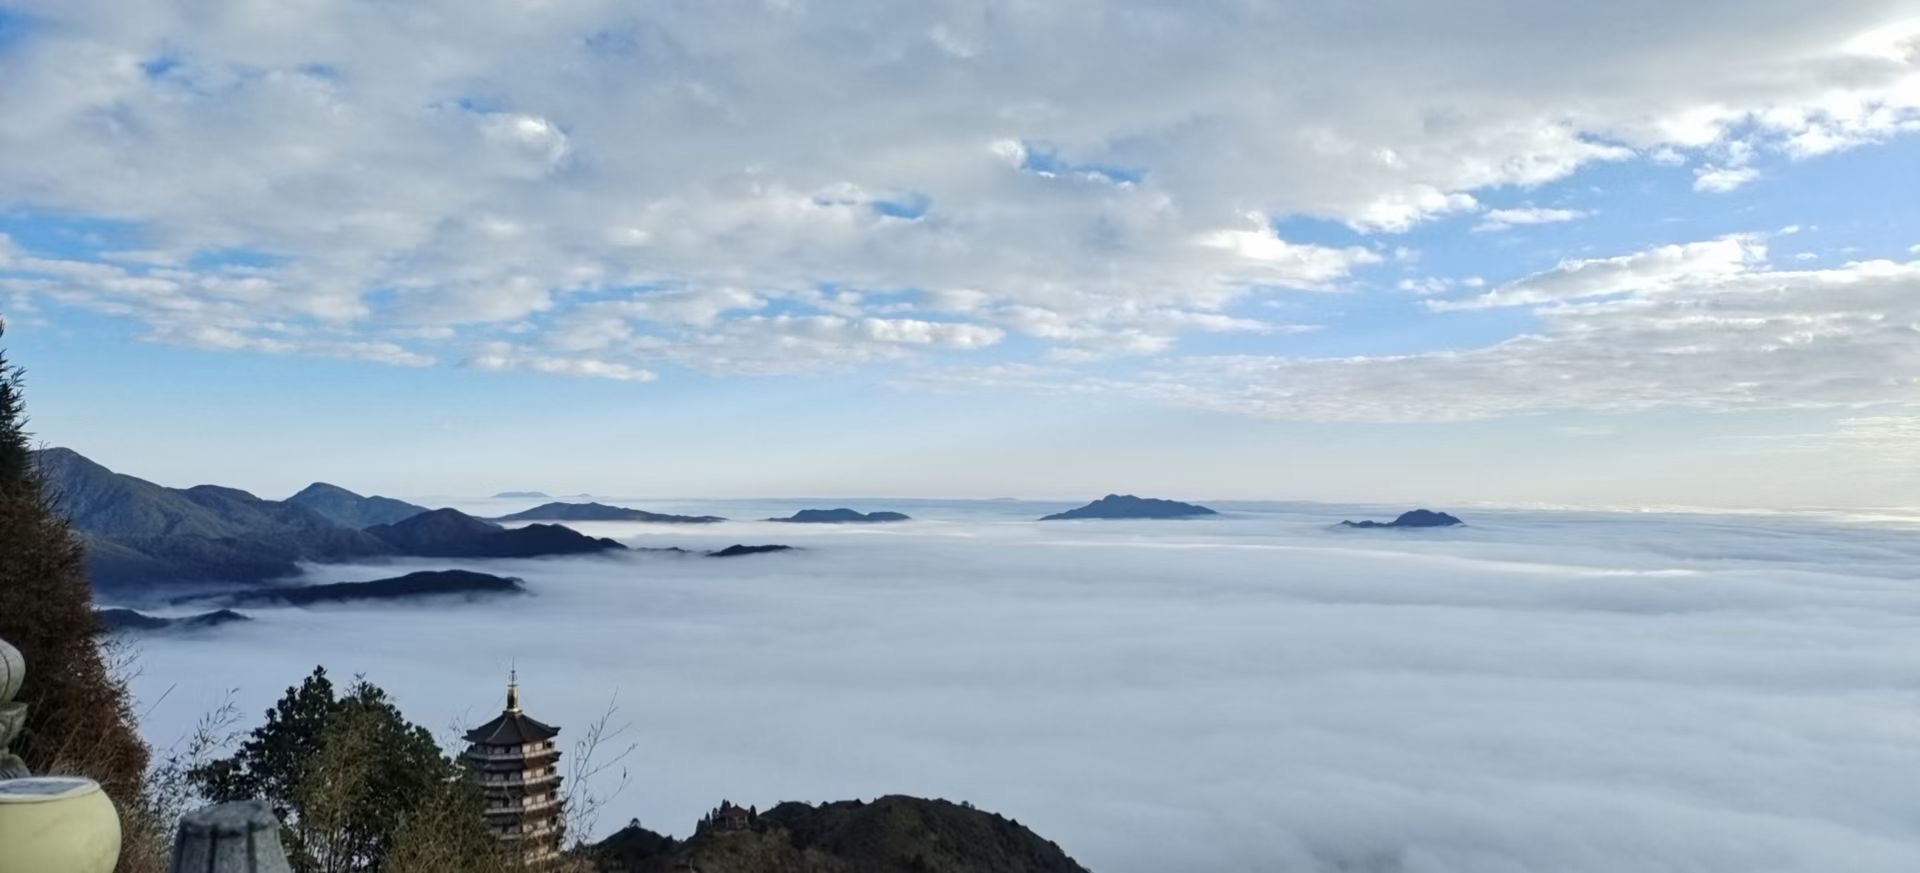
<point>973,249</point>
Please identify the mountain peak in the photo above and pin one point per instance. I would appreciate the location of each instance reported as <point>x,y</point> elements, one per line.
<point>323,489</point>
<point>1120,506</point>
<point>603,512</point>
<point>344,507</point>
<point>450,533</point>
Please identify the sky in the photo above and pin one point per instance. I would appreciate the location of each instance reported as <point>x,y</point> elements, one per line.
<point>1627,254</point>
<point>1577,692</point>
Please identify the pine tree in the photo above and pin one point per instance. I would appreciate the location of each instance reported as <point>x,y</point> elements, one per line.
<point>16,458</point>
<point>80,718</point>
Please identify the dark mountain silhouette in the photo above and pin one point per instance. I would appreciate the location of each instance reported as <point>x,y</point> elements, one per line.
<point>737,550</point>
<point>1414,518</point>
<point>426,583</point>
<point>602,512</point>
<point>140,534</point>
<point>1129,506</point>
<point>522,495</point>
<point>841,516</point>
<point>893,834</point>
<point>346,508</point>
<point>450,533</point>
<point>131,621</point>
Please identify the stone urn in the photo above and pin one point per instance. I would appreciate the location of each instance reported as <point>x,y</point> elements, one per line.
<point>57,824</point>
<point>48,824</point>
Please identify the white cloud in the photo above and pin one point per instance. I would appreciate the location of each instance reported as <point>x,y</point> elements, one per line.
<point>1720,180</point>
<point>1667,156</point>
<point>529,136</point>
<point>1430,285</point>
<point>1501,219</point>
<point>917,332</point>
<point>213,337</point>
<point>1303,266</point>
<point>958,299</point>
<point>1645,272</point>
<point>1700,326</point>
<point>471,169</point>
<point>1400,211</point>
<point>502,356</point>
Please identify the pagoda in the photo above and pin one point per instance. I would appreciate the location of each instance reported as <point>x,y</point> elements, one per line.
<point>513,761</point>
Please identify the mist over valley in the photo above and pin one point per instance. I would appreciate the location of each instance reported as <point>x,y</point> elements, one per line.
<point>1258,690</point>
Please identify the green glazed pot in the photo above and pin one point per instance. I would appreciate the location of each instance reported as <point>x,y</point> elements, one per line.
<point>57,824</point>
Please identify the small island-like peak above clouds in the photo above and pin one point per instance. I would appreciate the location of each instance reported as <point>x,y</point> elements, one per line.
<point>841,515</point>
<point>1413,518</point>
<point>1125,506</point>
<point>561,511</point>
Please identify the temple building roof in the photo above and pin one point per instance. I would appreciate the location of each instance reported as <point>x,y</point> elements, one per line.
<point>512,727</point>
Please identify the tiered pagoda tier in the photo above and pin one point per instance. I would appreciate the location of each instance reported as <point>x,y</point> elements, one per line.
<point>513,761</point>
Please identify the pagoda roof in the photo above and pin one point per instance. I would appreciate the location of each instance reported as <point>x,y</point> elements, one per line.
<point>512,728</point>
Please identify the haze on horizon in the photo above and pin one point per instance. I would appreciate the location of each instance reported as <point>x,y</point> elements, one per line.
<point>1627,254</point>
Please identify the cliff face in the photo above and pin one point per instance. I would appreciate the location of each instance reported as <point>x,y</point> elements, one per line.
<point>894,834</point>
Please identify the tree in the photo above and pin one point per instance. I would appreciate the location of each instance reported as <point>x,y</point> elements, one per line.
<point>80,716</point>
<point>448,835</point>
<point>350,777</point>
<point>16,449</point>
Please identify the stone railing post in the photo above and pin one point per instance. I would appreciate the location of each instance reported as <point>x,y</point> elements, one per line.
<point>13,716</point>
<point>238,837</point>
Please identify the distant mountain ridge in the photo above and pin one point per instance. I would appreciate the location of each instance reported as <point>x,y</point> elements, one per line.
<point>138,532</point>
<point>1412,518</point>
<point>425,583</point>
<point>522,495</point>
<point>602,512</point>
<point>1121,506</point>
<point>737,550</point>
<point>450,533</point>
<point>352,510</point>
<point>841,515</point>
<point>130,620</point>
<point>142,536</point>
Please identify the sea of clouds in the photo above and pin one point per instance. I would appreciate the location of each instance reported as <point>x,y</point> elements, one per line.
<point>1538,691</point>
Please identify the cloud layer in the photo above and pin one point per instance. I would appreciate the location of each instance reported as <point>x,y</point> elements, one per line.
<point>776,186</point>
<point>1704,325</point>
<point>1585,693</point>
